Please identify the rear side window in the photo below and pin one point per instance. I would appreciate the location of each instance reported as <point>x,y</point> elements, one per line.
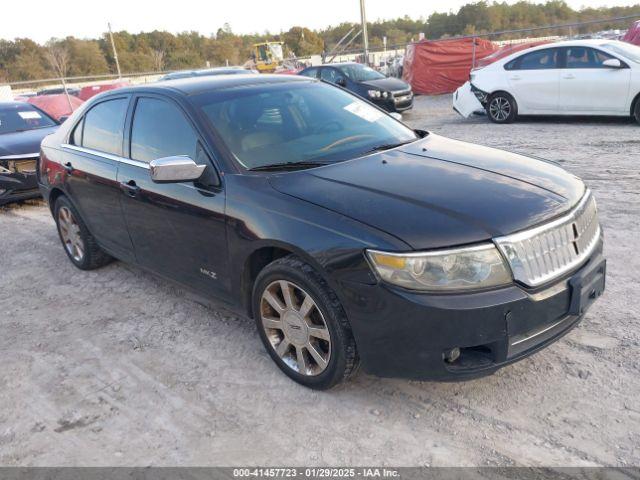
<point>310,72</point>
<point>329,75</point>
<point>581,57</point>
<point>103,126</point>
<point>161,130</point>
<point>538,60</point>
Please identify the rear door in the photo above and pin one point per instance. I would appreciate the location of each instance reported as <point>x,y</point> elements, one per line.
<point>178,229</point>
<point>91,162</point>
<point>587,86</point>
<point>534,79</point>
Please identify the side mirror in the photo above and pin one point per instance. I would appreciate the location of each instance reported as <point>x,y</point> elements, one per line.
<point>396,115</point>
<point>341,81</point>
<point>612,63</point>
<point>175,169</point>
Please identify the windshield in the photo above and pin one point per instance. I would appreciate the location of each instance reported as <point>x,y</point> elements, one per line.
<point>276,51</point>
<point>360,73</point>
<point>288,123</point>
<point>21,117</point>
<point>629,51</point>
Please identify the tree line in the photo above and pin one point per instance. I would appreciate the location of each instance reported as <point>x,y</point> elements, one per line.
<point>24,59</point>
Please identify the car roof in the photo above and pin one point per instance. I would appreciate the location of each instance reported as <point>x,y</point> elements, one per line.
<point>202,84</point>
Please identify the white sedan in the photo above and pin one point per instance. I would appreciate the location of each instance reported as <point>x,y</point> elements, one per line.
<point>582,77</point>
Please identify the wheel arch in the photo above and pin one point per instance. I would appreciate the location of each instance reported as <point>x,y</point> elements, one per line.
<point>634,102</point>
<point>261,256</point>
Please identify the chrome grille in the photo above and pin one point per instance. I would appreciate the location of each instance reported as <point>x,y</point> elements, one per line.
<point>401,93</point>
<point>541,254</point>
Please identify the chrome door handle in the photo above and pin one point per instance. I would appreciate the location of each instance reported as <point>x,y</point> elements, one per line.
<point>515,77</point>
<point>568,77</point>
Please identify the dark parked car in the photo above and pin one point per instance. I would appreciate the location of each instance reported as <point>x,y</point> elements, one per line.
<point>22,128</point>
<point>207,73</point>
<point>391,94</point>
<point>346,235</point>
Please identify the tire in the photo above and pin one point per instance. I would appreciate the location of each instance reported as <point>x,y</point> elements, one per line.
<point>501,108</point>
<point>78,243</point>
<point>323,326</point>
<point>636,111</point>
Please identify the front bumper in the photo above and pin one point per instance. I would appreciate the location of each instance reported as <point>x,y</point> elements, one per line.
<point>400,333</point>
<point>395,104</point>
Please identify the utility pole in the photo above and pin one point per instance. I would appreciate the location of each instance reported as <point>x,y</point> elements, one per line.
<point>115,53</point>
<point>365,36</point>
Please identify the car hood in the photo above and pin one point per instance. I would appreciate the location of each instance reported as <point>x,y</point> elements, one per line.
<point>387,84</point>
<point>26,142</point>
<point>438,192</point>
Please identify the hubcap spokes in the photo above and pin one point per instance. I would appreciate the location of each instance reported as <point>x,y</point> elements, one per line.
<point>295,328</point>
<point>500,108</point>
<point>70,233</point>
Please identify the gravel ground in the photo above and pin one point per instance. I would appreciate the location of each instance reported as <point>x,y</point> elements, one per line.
<point>118,367</point>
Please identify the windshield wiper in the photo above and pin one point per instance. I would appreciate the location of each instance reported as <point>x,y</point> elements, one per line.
<point>386,146</point>
<point>286,166</point>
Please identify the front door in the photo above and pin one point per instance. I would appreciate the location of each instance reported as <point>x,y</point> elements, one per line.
<point>91,161</point>
<point>178,229</point>
<point>533,80</point>
<point>588,86</point>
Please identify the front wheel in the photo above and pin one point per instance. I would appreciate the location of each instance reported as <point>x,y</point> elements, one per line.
<point>501,108</point>
<point>636,111</point>
<point>302,324</point>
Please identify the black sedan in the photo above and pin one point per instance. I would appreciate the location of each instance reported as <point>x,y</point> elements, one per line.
<point>22,128</point>
<point>349,237</point>
<point>391,94</point>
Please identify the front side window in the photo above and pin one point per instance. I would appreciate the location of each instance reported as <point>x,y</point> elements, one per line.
<point>20,117</point>
<point>316,123</point>
<point>581,57</point>
<point>538,60</point>
<point>103,126</point>
<point>161,130</point>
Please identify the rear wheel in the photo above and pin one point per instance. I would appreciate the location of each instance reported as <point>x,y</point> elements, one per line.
<point>501,108</point>
<point>636,111</point>
<point>80,246</point>
<point>302,324</point>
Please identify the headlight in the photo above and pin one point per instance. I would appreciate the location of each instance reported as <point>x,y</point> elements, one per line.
<point>469,268</point>
<point>374,93</point>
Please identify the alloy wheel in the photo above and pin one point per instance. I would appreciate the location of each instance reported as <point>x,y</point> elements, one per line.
<point>295,327</point>
<point>500,109</point>
<point>70,233</point>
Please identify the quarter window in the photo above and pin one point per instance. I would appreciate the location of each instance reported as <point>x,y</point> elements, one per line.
<point>581,57</point>
<point>310,72</point>
<point>538,60</point>
<point>161,130</point>
<point>103,126</point>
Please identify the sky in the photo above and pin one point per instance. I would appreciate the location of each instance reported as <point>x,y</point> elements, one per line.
<point>87,19</point>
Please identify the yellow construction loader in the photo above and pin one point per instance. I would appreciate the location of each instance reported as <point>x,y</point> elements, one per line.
<point>268,56</point>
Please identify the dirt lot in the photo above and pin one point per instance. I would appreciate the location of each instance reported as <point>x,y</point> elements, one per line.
<point>117,367</point>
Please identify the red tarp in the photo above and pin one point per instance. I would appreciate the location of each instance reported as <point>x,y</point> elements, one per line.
<point>633,35</point>
<point>436,67</point>
<point>56,105</point>
<point>87,92</point>
<point>505,51</point>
